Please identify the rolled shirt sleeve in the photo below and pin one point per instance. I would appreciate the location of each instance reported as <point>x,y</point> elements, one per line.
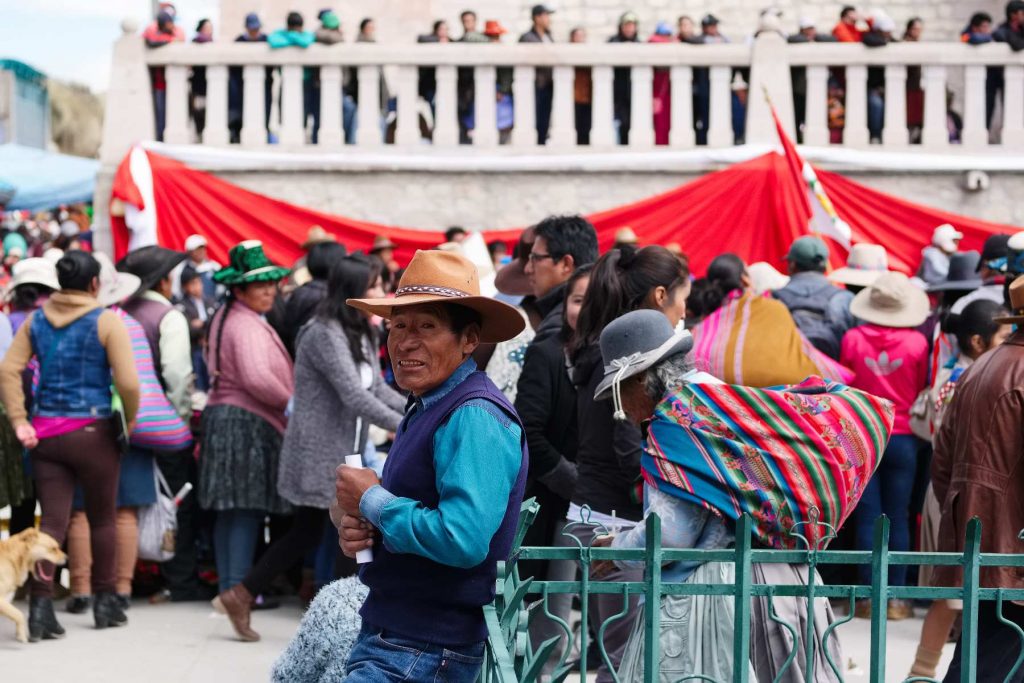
<point>477,457</point>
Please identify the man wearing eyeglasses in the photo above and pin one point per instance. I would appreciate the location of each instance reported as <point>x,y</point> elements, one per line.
<point>562,244</point>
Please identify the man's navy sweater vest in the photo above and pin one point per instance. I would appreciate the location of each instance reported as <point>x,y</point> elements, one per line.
<point>409,594</point>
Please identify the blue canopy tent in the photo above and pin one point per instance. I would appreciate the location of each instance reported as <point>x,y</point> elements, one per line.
<point>43,180</point>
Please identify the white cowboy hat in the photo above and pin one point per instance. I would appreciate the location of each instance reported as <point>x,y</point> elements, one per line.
<point>865,263</point>
<point>35,271</point>
<point>115,286</point>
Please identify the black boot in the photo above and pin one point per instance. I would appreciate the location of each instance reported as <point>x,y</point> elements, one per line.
<point>106,611</point>
<point>42,622</point>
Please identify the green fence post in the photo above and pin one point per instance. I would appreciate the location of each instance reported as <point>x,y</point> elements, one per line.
<point>652,608</point>
<point>879,597</point>
<point>741,635</point>
<point>972,575</point>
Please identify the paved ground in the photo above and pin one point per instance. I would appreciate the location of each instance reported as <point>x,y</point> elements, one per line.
<point>190,643</point>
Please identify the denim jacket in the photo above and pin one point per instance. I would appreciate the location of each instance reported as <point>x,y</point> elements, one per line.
<point>74,374</point>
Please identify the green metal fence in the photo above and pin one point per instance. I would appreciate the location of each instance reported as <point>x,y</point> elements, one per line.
<point>510,656</point>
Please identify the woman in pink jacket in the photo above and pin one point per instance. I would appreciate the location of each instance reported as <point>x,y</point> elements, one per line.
<point>244,420</point>
<point>890,359</point>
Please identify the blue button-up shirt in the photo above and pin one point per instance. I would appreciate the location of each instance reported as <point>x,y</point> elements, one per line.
<point>477,456</point>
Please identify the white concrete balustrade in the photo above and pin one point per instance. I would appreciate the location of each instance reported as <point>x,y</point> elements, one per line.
<point>703,78</point>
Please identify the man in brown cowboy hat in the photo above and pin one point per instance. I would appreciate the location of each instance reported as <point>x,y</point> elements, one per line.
<point>976,472</point>
<point>447,507</point>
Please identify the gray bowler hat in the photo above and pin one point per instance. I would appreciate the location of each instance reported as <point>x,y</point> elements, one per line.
<point>635,342</point>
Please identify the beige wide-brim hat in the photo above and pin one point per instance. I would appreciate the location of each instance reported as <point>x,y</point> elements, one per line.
<point>447,278</point>
<point>765,277</point>
<point>863,266</point>
<point>892,300</point>
<point>317,235</point>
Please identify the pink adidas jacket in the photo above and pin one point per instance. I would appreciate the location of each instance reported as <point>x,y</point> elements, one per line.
<point>889,362</point>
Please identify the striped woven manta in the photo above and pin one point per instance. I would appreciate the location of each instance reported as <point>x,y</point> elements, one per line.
<point>774,453</point>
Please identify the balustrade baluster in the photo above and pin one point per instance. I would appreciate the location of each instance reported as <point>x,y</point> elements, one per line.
<point>602,109</point>
<point>936,127</point>
<point>975,132</point>
<point>681,133</point>
<point>1013,106</point>
<point>368,120</point>
<point>720,132</point>
<point>524,133</point>
<point>215,132</point>
<point>254,103</point>
<point>855,131</point>
<point>330,106</point>
<point>176,129</point>
<point>446,124</point>
<point>293,115</point>
<point>816,112</point>
<point>563,113</point>
<point>895,132</point>
<point>407,132</point>
<point>485,132</point>
<point>641,129</point>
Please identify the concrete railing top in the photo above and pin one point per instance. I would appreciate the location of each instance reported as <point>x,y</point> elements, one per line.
<point>580,54</point>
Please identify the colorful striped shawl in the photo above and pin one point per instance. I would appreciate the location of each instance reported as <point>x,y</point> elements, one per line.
<point>771,453</point>
<point>158,425</point>
<point>752,340</point>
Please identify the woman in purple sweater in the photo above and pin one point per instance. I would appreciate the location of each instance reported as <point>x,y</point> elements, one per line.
<point>251,377</point>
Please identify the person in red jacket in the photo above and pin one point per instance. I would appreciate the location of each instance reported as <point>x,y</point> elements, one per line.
<point>846,30</point>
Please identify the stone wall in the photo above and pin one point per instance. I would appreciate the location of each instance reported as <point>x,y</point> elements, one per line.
<point>403,20</point>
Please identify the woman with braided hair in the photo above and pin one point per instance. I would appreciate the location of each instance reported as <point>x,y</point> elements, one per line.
<point>243,424</point>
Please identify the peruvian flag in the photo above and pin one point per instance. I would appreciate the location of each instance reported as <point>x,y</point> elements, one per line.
<point>822,217</point>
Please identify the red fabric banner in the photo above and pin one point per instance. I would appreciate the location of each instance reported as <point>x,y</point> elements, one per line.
<point>754,209</point>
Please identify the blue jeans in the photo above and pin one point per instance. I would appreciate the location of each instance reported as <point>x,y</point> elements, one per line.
<point>234,543</point>
<point>888,493</point>
<point>876,113</point>
<point>381,656</point>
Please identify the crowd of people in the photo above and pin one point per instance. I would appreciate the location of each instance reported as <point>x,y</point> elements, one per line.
<point>252,382</point>
<point>875,29</point>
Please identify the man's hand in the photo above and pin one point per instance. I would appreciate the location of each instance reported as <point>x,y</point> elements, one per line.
<point>351,484</point>
<point>602,568</point>
<point>27,436</point>
<point>355,534</point>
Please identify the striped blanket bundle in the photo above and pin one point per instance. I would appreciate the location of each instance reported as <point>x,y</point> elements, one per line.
<point>777,454</point>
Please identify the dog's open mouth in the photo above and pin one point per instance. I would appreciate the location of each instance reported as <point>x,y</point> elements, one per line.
<point>39,571</point>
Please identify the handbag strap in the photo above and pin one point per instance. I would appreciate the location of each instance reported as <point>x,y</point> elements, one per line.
<point>161,483</point>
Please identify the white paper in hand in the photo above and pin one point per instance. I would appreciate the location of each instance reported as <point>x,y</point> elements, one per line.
<point>363,556</point>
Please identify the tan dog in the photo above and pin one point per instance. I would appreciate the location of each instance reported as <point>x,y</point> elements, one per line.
<point>20,555</point>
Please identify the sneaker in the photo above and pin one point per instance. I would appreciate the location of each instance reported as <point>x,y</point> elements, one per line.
<point>899,610</point>
<point>862,609</point>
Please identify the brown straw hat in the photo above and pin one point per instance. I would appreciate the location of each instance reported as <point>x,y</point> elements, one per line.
<point>447,278</point>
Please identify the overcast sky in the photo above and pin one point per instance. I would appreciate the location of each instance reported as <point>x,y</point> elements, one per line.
<point>72,39</point>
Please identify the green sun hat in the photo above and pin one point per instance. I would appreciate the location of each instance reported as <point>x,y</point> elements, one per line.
<point>249,264</point>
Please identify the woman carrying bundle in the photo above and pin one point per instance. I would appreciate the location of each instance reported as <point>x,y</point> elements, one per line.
<point>714,452</point>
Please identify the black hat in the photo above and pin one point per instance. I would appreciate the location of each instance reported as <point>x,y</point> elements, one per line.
<point>709,20</point>
<point>541,9</point>
<point>996,248</point>
<point>963,268</point>
<point>151,264</point>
